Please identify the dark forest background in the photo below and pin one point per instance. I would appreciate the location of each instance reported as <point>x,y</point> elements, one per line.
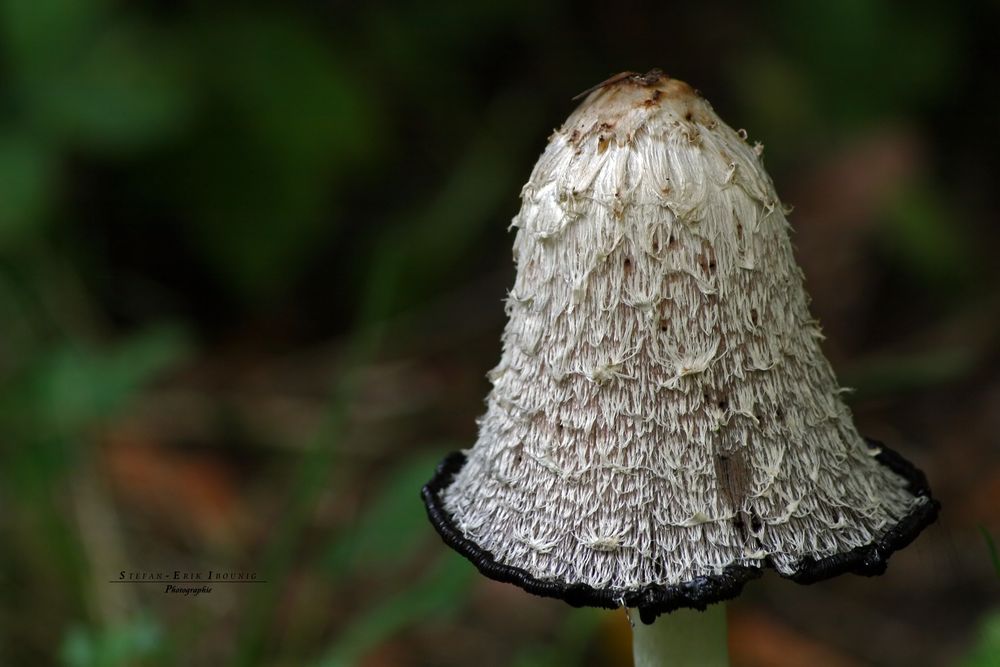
<point>252,263</point>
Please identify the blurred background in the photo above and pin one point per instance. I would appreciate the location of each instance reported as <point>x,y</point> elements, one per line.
<point>252,264</point>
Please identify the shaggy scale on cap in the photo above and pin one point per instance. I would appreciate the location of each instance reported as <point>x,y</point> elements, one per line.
<point>663,423</point>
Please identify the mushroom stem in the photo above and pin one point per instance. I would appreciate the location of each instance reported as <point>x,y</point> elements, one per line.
<point>682,638</point>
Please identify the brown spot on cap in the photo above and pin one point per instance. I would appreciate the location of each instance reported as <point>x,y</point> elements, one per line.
<point>733,477</point>
<point>653,99</point>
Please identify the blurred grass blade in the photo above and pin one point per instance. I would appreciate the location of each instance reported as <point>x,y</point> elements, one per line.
<point>389,528</point>
<point>570,646</point>
<point>423,248</point>
<point>992,547</point>
<point>439,592</point>
<point>384,281</point>
<point>315,471</point>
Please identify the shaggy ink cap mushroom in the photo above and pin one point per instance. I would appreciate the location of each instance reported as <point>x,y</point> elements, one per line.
<point>663,424</point>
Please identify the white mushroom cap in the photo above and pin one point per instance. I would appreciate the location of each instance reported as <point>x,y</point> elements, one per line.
<point>663,422</point>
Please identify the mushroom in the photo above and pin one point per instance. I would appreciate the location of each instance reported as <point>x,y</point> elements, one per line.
<point>663,424</point>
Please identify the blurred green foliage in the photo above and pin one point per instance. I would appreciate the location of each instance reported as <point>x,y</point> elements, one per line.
<point>992,547</point>
<point>440,592</point>
<point>27,172</point>
<point>570,644</point>
<point>293,125</point>
<point>85,77</point>
<point>922,237</point>
<point>986,650</point>
<point>174,177</point>
<point>391,525</point>
<point>137,642</point>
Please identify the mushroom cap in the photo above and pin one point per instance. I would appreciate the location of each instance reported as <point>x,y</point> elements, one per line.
<point>663,424</point>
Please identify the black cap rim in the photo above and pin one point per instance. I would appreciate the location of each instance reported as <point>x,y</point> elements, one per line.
<point>653,600</point>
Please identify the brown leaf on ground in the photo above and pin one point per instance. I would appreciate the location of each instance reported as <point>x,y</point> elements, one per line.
<point>387,654</point>
<point>757,640</point>
<point>191,495</point>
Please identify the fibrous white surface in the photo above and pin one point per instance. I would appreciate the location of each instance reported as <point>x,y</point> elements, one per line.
<point>662,408</point>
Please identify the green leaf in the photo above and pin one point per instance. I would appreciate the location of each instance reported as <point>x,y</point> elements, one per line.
<point>71,387</point>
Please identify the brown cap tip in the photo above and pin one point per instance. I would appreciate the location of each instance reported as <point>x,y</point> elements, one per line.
<point>653,78</point>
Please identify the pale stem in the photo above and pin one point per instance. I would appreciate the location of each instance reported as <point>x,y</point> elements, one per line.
<point>682,638</point>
